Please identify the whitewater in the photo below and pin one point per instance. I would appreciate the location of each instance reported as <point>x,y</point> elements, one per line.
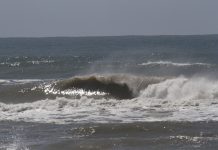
<point>155,99</point>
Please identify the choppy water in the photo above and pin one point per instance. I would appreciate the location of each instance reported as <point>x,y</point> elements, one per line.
<point>133,92</point>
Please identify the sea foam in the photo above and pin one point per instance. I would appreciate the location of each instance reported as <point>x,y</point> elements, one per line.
<point>170,63</point>
<point>173,99</point>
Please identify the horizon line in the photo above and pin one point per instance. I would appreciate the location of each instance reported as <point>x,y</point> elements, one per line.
<point>84,36</point>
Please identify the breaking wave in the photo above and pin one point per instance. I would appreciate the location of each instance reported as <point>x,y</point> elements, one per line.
<point>94,86</point>
<point>183,91</point>
<point>116,86</point>
<point>155,99</point>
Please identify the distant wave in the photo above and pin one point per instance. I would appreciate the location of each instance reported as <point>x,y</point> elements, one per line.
<point>169,63</point>
<point>24,62</point>
<point>10,64</point>
<point>17,81</point>
<point>37,62</point>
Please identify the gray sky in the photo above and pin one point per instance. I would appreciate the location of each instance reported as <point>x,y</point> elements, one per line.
<point>107,17</point>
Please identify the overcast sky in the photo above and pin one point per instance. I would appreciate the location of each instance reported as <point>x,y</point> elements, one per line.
<point>107,17</point>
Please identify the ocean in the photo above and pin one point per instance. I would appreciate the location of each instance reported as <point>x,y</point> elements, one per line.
<point>109,93</point>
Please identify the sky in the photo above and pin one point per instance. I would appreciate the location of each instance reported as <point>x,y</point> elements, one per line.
<point>46,18</point>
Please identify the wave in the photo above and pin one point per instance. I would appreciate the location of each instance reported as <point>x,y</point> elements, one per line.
<point>102,84</point>
<point>183,91</point>
<point>169,99</point>
<point>11,64</point>
<point>117,86</point>
<point>37,62</point>
<point>26,62</point>
<point>169,63</point>
<point>17,81</point>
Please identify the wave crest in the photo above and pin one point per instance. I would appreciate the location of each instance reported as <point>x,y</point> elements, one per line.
<point>169,63</point>
<point>117,86</point>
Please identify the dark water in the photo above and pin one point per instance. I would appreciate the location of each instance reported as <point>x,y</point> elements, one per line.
<point>131,92</point>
